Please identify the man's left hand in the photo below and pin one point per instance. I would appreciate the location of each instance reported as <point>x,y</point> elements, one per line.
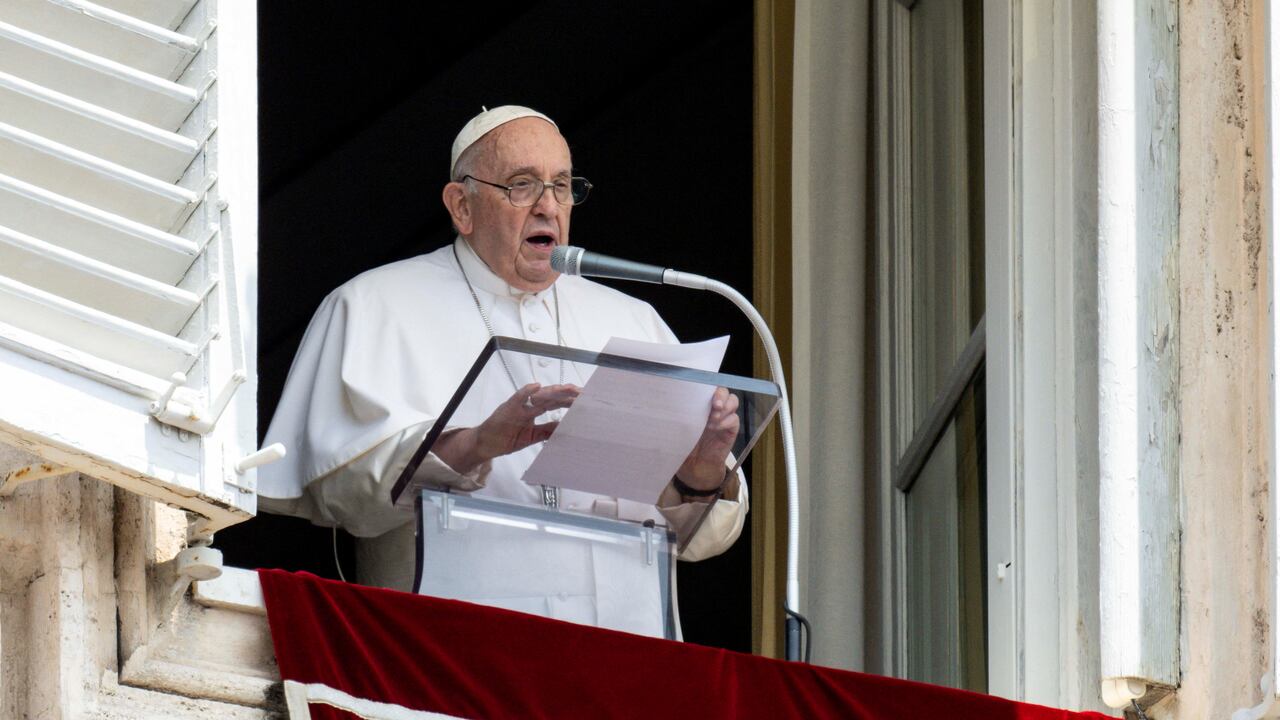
<point>705,468</point>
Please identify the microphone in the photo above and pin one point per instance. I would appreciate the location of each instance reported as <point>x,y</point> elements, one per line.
<point>570,260</point>
<point>576,261</point>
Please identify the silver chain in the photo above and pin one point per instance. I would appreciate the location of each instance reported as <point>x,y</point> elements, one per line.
<point>550,495</point>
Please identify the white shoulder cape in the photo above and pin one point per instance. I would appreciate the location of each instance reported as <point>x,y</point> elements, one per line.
<point>386,350</point>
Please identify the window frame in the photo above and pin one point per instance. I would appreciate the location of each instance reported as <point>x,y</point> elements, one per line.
<point>1035,358</point>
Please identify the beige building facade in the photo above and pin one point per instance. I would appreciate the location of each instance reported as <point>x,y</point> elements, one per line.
<point>1033,360</point>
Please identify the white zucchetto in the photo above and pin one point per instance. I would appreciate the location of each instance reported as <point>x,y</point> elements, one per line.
<point>486,121</point>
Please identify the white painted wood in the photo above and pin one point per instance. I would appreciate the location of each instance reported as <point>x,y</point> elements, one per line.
<point>165,13</point>
<point>109,34</point>
<point>1138,362</point>
<point>1074,316</point>
<point>109,437</point>
<point>233,150</point>
<point>112,279</point>
<point>60,188</point>
<point>93,181</point>
<point>1004,600</point>
<point>88,329</point>
<point>113,375</point>
<point>91,129</point>
<point>126,295</point>
<point>1041,436</point>
<point>96,80</point>
<point>269,454</point>
<point>94,233</point>
<point>1034,245</point>
<point>1118,362</point>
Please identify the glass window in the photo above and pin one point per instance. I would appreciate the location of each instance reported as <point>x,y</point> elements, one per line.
<point>939,301</point>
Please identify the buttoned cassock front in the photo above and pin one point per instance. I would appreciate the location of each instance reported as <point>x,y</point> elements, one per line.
<point>381,359</point>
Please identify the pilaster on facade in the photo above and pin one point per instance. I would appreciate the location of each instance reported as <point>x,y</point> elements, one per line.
<point>95,622</point>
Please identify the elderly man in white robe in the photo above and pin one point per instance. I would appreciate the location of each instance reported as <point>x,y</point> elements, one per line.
<point>386,350</point>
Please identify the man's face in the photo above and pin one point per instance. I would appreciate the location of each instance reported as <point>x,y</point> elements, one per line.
<point>516,243</point>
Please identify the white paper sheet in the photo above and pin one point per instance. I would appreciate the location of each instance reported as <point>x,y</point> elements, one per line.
<point>627,433</point>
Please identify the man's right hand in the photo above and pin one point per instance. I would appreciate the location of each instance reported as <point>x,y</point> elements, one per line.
<point>513,426</point>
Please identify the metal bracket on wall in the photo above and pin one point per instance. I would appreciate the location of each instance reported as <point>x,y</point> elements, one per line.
<point>190,416</point>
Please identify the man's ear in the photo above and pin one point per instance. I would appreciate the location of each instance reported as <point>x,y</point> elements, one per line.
<point>458,203</point>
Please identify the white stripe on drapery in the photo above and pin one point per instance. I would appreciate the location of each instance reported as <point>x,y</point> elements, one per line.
<point>299,697</point>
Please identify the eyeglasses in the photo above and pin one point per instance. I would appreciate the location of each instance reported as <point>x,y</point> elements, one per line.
<point>526,191</point>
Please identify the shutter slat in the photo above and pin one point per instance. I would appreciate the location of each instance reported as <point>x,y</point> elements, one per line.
<point>93,331</point>
<point>77,361</point>
<point>165,13</point>
<point>128,243</point>
<point>94,130</point>
<point>94,233</point>
<point>89,282</point>
<point>94,79</point>
<point>104,32</point>
<point>92,180</point>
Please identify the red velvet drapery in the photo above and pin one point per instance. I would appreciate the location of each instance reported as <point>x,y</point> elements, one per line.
<point>472,661</point>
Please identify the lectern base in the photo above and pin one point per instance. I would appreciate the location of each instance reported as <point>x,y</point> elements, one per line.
<point>554,563</point>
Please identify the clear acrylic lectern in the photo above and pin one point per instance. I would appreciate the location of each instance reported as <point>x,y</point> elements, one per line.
<point>573,535</point>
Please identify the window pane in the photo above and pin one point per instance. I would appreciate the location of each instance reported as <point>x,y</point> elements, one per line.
<point>946,244</point>
<point>945,556</point>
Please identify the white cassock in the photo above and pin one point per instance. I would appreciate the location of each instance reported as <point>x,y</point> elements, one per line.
<point>379,362</point>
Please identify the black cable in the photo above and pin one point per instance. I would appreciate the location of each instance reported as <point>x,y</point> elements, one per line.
<point>806,633</point>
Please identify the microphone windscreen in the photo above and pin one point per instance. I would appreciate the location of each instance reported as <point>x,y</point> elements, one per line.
<point>564,259</point>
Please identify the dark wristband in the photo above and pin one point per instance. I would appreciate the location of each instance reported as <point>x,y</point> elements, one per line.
<point>686,491</point>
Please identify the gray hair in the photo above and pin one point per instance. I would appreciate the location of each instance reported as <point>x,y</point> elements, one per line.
<point>469,160</point>
<point>466,165</point>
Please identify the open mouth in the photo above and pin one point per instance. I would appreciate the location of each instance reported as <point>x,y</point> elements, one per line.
<point>541,241</point>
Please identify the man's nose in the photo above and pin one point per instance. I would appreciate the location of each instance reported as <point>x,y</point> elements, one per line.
<point>546,203</point>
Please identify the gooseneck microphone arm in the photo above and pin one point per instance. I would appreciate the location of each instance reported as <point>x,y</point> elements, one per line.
<point>576,261</point>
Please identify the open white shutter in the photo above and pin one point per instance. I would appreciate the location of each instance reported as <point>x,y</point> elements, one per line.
<point>128,244</point>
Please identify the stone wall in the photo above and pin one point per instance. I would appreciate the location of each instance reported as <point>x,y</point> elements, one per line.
<point>94,622</point>
<point>1224,387</point>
